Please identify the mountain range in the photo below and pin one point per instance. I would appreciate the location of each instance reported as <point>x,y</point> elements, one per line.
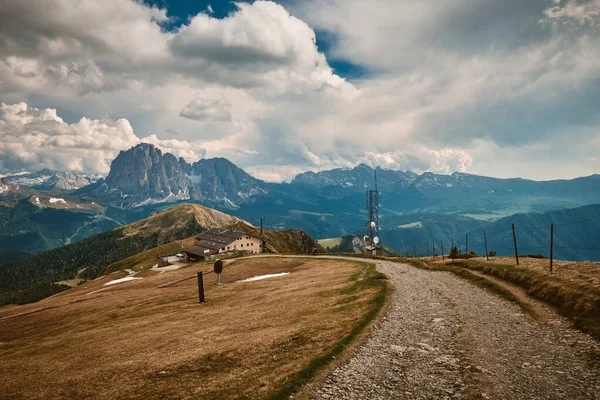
<point>145,176</point>
<point>331,203</point>
<point>48,179</point>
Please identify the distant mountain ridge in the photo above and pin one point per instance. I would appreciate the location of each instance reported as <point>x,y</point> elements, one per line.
<point>143,175</point>
<point>360,176</point>
<point>364,176</point>
<point>47,179</point>
<point>576,233</point>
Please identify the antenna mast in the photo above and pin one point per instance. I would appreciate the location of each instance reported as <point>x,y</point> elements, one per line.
<point>373,211</point>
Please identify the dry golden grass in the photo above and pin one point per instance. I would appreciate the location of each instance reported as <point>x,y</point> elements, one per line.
<point>137,341</point>
<point>586,274</point>
<point>583,274</point>
<point>149,257</point>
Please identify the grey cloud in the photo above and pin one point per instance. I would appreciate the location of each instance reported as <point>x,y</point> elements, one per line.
<point>204,109</point>
<point>451,79</point>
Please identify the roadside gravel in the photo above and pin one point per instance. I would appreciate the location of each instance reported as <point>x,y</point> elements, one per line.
<point>443,338</point>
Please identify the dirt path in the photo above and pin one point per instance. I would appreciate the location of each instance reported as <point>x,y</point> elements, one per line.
<point>445,338</point>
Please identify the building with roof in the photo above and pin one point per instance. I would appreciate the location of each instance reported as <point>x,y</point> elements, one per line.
<point>373,250</point>
<point>223,241</point>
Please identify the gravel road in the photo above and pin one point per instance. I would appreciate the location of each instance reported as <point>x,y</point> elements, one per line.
<point>444,338</point>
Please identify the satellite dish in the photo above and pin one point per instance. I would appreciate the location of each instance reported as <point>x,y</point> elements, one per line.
<point>372,224</point>
<point>218,268</point>
<point>375,240</point>
<point>365,238</point>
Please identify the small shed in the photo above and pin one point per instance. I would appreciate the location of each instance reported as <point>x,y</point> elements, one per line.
<point>371,250</point>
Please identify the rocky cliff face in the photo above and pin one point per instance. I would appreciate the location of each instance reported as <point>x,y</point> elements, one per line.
<point>143,175</point>
<point>220,179</point>
<point>8,190</point>
<point>4,185</point>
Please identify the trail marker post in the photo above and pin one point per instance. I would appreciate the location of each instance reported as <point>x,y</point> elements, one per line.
<point>551,245</point>
<point>515,241</point>
<point>487,253</point>
<point>200,288</point>
<point>218,268</point>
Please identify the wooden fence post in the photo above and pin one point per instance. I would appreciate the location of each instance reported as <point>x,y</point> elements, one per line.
<point>487,253</point>
<point>515,240</point>
<point>551,245</point>
<point>442,243</point>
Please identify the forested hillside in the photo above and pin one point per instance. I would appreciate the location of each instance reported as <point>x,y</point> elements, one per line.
<point>576,233</point>
<point>34,277</point>
<point>27,227</point>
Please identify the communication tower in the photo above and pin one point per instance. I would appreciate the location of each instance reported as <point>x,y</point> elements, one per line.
<point>372,235</point>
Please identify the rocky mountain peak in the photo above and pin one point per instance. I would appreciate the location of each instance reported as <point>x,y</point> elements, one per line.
<point>144,175</point>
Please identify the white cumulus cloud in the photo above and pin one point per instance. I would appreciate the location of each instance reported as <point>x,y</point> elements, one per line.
<point>32,138</point>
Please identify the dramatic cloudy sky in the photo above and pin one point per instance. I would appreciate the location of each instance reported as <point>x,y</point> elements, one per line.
<point>501,88</point>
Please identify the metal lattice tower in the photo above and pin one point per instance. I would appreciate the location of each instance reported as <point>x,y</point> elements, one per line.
<point>373,212</point>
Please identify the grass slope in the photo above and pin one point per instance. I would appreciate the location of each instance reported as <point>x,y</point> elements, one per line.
<point>142,339</point>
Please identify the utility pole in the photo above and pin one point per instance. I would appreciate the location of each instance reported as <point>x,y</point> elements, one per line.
<point>515,241</point>
<point>262,237</point>
<point>551,245</point>
<point>442,243</point>
<point>487,253</point>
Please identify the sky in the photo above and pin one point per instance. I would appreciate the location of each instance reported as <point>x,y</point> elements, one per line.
<point>500,88</point>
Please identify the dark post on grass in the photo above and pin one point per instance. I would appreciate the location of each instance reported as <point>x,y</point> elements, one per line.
<point>218,268</point>
<point>442,243</point>
<point>467,245</point>
<point>515,240</point>
<point>551,245</point>
<point>201,288</point>
<point>487,253</point>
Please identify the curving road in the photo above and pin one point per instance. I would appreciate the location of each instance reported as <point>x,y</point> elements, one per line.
<point>442,337</point>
